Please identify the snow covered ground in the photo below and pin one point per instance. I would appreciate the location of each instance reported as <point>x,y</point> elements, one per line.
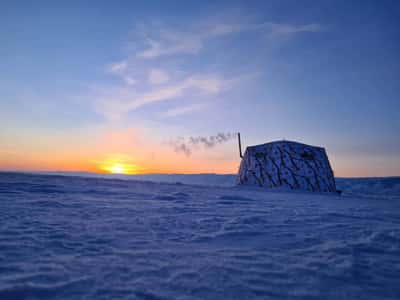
<point>101,238</point>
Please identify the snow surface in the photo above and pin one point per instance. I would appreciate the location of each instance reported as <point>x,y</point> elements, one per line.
<point>97,238</point>
<point>225,180</point>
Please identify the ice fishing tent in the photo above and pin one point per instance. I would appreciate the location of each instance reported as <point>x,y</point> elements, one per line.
<point>287,165</point>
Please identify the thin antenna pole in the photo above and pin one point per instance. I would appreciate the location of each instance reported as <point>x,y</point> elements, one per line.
<point>240,146</point>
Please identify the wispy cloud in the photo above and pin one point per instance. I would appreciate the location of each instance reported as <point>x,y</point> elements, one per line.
<point>120,69</point>
<point>129,80</point>
<point>183,110</point>
<point>207,85</point>
<point>117,67</point>
<point>147,81</point>
<point>290,29</point>
<point>117,107</point>
<point>157,76</point>
<point>169,42</point>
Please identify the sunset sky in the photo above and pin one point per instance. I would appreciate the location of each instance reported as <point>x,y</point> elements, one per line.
<point>122,86</point>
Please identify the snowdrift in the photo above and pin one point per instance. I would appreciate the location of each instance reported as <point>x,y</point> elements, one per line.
<point>94,238</point>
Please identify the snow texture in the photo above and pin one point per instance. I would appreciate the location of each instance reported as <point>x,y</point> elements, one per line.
<point>70,237</point>
<point>225,180</point>
<point>287,165</point>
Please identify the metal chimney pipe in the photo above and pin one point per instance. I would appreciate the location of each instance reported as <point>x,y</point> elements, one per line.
<point>240,146</point>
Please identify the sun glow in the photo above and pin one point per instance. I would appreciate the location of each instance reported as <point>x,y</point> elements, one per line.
<point>117,167</point>
<point>121,168</point>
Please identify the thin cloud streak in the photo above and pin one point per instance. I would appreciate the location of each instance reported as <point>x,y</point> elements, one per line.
<point>117,67</point>
<point>158,85</point>
<point>178,111</point>
<point>120,69</point>
<point>157,76</point>
<point>206,85</point>
<point>115,108</point>
<point>174,42</point>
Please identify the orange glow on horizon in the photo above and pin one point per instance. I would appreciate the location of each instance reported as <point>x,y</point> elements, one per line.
<point>118,165</point>
<point>120,168</point>
<point>120,153</point>
<point>110,151</point>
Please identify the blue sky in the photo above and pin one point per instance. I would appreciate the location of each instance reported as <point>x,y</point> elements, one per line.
<point>320,72</point>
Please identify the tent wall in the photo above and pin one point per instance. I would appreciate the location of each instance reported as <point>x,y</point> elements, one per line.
<point>288,165</point>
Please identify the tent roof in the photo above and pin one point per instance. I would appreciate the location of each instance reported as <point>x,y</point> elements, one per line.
<point>281,142</point>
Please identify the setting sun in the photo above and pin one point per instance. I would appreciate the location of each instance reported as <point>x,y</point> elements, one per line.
<point>118,167</point>
<point>121,168</point>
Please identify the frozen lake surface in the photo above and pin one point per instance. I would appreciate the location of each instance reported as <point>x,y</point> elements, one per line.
<point>100,238</point>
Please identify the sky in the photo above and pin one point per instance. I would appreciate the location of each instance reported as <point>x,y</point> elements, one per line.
<point>163,86</point>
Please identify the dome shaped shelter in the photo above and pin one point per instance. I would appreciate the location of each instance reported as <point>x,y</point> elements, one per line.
<point>287,165</point>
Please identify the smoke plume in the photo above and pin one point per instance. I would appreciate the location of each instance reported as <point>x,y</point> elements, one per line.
<point>188,145</point>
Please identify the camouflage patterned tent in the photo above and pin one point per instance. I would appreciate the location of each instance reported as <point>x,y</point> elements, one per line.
<point>287,165</point>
